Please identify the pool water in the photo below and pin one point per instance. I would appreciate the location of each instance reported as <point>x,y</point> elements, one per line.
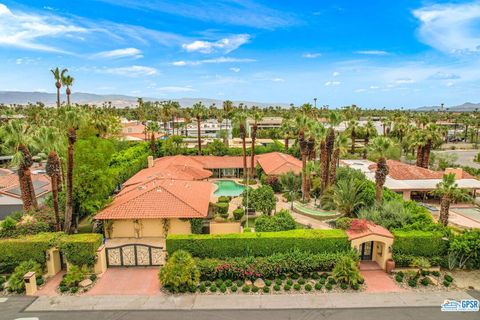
<point>228,188</point>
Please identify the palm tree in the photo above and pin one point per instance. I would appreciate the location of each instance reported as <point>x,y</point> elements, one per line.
<point>227,109</point>
<point>256,116</point>
<point>304,153</point>
<point>15,136</point>
<point>347,196</point>
<point>292,184</point>
<point>54,171</point>
<point>241,119</point>
<point>352,127</point>
<point>368,131</point>
<point>58,76</point>
<point>449,192</point>
<point>199,112</point>
<point>380,145</point>
<point>68,82</point>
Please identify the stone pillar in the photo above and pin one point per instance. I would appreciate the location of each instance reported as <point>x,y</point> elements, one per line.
<point>100,260</point>
<point>30,283</point>
<point>53,262</point>
<point>407,195</point>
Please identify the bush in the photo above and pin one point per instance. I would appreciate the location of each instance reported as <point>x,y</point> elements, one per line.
<point>223,288</point>
<point>274,183</point>
<point>278,282</point>
<point>218,282</point>
<point>290,282</point>
<point>277,287</point>
<point>344,286</point>
<point>321,280</point>
<point>301,281</point>
<point>80,249</point>
<point>412,282</point>
<point>308,287</point>
<point>261,199</point>
<point>238,214</point>
<point>255,289</point>
<point>318,286</point>
<point>282,221</point>
<point>222,209</point>
<point>40,281</point>
<point>404,260</point>
<point>16,278</point>
<point>328,286</point>
<point>213,288</point>
<point>93,277</point>
<point>355,286</point>
<point>246,288</point>
<point>420,262</point>
<point>446,283</point>
<point>228,283</point>
<point>436,273</point>
<point>196,225</point>
<point>297,287</point>
<point>63,288</point>
<point>74,276</point>
<point>202,287</point>
<point>266,289</point>
<point>180,272</point>
<point>233,288</point>
<point>332,281</point>
<point>259,243</point>
<point>224,199</point>
<point>344,223</point>
<point>419,243</point>
<point>346,271</point>
<point>239,283</point>
<point>287,287</point>
<point>74,290</point>
<point>424,281</point>
<point>268,283</point>
<point>270,267</point>
<point>398,278</point>
<point>448,278</point>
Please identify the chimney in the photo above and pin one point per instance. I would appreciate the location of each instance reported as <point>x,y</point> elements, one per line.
<point>457,171</point>
<point>150,161</point>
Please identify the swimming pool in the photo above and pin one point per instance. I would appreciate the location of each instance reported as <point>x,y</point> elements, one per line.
<point>228,188</point>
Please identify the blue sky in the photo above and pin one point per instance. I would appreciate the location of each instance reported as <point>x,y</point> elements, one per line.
<point>371,53</point>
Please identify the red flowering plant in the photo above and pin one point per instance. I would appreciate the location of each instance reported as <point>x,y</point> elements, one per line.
<point>359,225</point>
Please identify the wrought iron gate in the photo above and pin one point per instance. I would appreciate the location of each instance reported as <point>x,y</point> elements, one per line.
<point>134,255</point>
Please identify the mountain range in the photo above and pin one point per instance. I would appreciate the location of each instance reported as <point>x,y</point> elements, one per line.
<point>117,100</point>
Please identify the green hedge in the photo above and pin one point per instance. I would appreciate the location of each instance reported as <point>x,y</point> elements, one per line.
<point>80,249</point>
<point>259,244</point>
<point>13,251</point>
<point>419,243</point>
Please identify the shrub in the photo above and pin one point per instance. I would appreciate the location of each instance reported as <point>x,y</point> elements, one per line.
<point>287,287</point>
<point>436,273</point>
<point>419,243</point>
<point>218,282</point>
<point>74,276</point>
<point>233,288</point>
<point>261,199</point>
<point>40,281</point>
<point>344,286</point>
<point>328,286</point>
<point>420,262</point>
<point>297,287</point>
<point>398,278</point>
<point>308,287</point>
<point>321,280</point>
<point>425,273</point>
<point>223,288</point>
<point>222,209</point>
<point>301,281</point>
<point>344,223</point>
<point>318,286</point>
<point>405,260</point>
<point>446,283</point>
<point>74,290</point>
<point>255,289</point>
<point>274,183</point>
<point>16,278</point>
<point>278,282</point>
<point>315,276</point>
<point>259,243</point>
<point>282,221</point>
<point>424,281</point>
<point>93,277</point>
<point>238,214</point>
<point>295,276</point>
<point>346,271</point>
<point>228,283</point>
<point>412,282</point>
<point>80,249</point>
<point>213,288</point>
<point>355,286</point>
<point>202,287</point>
<point>208,283</point>
<point>332,281</point>
<point>246,288</point>
<point>180,272</point>
<point>239,283</point>
<point>224,199</point>
<point>448,278</point>
<point>196,225</point>
<point>63,288</point>
<point>266,289</point>
<point>268,283</point>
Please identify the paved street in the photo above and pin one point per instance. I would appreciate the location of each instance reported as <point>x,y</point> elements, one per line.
<point>465,157</point>
<point>13,309</point>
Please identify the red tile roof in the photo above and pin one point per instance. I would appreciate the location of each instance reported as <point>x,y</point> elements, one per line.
<point>276,163</point>
<point>10,185</point>
<point>370,228</point>
<point>222,162</point>
<point>160,198</point>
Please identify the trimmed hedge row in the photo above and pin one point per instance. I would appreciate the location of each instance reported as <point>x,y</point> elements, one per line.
<point>79,249</point>
<point>419,243</point>
<point>259,244</point>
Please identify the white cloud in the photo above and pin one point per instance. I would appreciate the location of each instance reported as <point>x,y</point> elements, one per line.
<point>374,87</point>
<point>372,52</point>
<point>182,63</point>
<point>311,55</point>
<point>120,53</point>
<point>444,76</point>
<point>130,71</point>
<point>175,89</point>
<point>336,74</point>
<point>360,90</point>
<point>450,84</point>
<point>450,28</point>
<point>278,80</point>
<point>235,69</point>
<point>332,83</point>
<point>26,30</point>
<point>224,45</point>
<point>404,81</point>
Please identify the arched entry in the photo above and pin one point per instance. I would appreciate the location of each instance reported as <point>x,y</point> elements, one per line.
<point>372,242</point>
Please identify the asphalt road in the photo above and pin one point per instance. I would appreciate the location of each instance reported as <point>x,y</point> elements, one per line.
<point>465,157</point>
<point>13,308</point>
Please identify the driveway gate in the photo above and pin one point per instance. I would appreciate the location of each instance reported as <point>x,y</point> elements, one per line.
<point>134,255</point>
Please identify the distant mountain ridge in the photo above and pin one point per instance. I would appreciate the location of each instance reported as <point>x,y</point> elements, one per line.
<point>117,100</point>
<point>466,107</point>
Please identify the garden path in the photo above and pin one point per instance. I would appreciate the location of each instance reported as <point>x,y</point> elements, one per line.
<point>376,279</point>
<point>51,286</point>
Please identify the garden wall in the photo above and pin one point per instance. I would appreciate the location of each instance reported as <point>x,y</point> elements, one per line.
<point>259,244</point>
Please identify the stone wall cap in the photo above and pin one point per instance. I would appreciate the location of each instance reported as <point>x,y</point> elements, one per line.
<point>29,275</point>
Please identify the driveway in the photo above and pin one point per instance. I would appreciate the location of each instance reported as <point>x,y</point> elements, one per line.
<point>127,281</point>
<point>465,157</point>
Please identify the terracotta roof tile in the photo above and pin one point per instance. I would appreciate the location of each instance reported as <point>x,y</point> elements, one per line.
<point>276,163</point>
<point>370,229</point>
<point>403,171</point>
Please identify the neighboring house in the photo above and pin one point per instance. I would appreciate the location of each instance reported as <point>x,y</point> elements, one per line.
<point>264,124</point>
<point>135,131</point>
<point>175,188</point>
<point>209,128</point>
<point>10,195</point>
<point>410,180</point>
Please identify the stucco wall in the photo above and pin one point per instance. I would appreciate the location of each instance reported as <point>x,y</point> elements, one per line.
<point>224,227</point>
<point>148,228</point>
<point>381,245</point>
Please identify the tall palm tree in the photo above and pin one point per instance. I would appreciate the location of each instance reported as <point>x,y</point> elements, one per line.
<point>256,116</point>
<point>352,127</point>
<point>199,112</point>
<point>241,119</point>
<point>227,110</point>
<point>67,81</point>
<point>304,153</point>
<point>16,137</point>
<point>58,76</point>
<point>449,192</point>
<point>347,196</point>
<point>369,130</point>
<point>380,145</point>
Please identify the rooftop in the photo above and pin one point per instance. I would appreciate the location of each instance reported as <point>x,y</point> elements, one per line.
<point>364,228</point>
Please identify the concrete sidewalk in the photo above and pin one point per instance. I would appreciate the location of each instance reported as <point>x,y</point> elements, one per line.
<point>250,302</point>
